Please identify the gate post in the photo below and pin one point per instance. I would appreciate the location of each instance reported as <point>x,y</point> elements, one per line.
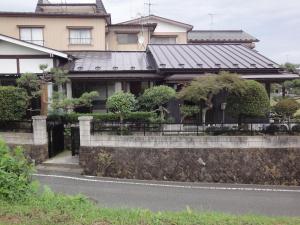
<point>85,130</point>
<point>40,136</point>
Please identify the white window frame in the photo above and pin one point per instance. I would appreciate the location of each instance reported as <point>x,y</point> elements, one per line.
<point>32,39</point>
<point>81,40</point>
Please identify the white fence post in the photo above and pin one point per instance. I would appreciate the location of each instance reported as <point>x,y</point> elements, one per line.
<point>40,136</point>
<point>85,130</point>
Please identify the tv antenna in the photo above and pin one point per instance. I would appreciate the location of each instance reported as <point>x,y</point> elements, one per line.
<point>212,17</point>
<point>149,4</point>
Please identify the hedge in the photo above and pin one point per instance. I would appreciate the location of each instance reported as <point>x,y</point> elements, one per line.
<point>13,103</point>
<point>105,117</point>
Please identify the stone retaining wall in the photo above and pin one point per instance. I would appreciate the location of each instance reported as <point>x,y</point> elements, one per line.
<point>38,153</point>
<point>272,166</point>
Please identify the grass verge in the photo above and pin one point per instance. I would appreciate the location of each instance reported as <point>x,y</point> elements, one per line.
<point>55,209</point>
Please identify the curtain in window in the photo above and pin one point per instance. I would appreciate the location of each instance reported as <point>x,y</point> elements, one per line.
<point>82,36</point>
<point>37,36</point>
<point>85,37</point>
<point>25,34</point>
<point>74,36</point>
<point>33,35</point>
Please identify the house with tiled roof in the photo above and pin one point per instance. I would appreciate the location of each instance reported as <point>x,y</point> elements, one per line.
<point>129,56</point>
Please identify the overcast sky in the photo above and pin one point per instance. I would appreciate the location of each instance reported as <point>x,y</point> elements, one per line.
<point>275,23</point>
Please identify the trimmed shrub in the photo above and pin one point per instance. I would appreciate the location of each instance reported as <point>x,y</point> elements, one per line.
<point>286,107</point>
<point>296,128</point>
<point>253,102</point>
<point>13,103</point>
<point>15,174</point>
<point>104,117</point>
<point>121,104</point>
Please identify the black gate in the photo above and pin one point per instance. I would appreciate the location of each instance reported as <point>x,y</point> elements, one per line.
<point>75,139</point>
<point>55,138</point>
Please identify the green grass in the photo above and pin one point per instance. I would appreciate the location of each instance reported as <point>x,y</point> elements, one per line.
<point>54,209</point>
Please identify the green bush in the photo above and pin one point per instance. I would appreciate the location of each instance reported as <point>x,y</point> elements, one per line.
<point>296,128</point>
<point>104,117</point>
<point>286,107</point>
<point>15,174</point>
<point>13,103</point>
<point>155,97</point>
<point>121,104</point>
<point>253,102</point>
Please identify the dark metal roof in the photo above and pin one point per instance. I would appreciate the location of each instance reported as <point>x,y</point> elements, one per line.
<point>259,77</point>
<point>225,36</point>
<point>100,9</point>
<point>209,56</point>
<point>106,61</point>
<point>113,76</point>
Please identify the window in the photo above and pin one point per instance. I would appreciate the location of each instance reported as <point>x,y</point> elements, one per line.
<point>127,38</point>
<point>80,36</point>
<point>32,35</point>
<point>163,40</point>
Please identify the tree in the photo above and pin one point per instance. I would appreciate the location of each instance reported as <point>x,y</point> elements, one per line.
<point>188,111</point>
<point>60,102</point>
<point>32,84</point>
<point>287,108</point>
<point>155,98</point>
<point>290,67</point>
<point>202,90</point>
<point>13,103</point>
<point>253,102</point>
<point>121,104</point>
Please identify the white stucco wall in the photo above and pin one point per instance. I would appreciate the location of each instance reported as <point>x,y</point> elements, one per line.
<point>32,65</point>
<point>8,66</point>
<point>13,49</point>
<point>167,27</point>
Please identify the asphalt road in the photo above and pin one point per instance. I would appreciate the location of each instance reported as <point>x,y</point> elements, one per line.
<point>172,196</point>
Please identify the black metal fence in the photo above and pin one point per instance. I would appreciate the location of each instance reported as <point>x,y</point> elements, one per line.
<point>115,128</point>
<point>24,126</point>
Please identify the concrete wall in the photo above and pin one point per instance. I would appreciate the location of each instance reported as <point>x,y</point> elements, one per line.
<point>56,32</point>
<point>191,142</point>
<point>35,144</point>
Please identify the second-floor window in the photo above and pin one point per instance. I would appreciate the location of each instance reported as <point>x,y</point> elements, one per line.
<point>32,35</point>
<point>80,36</point>
<point>127,38</point>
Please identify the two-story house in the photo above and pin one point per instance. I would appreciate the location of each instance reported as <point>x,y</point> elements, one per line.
<point>129,56</point>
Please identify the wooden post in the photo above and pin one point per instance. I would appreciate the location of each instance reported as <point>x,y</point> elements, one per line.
<point>268,89</point>
<point>44,99</point>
